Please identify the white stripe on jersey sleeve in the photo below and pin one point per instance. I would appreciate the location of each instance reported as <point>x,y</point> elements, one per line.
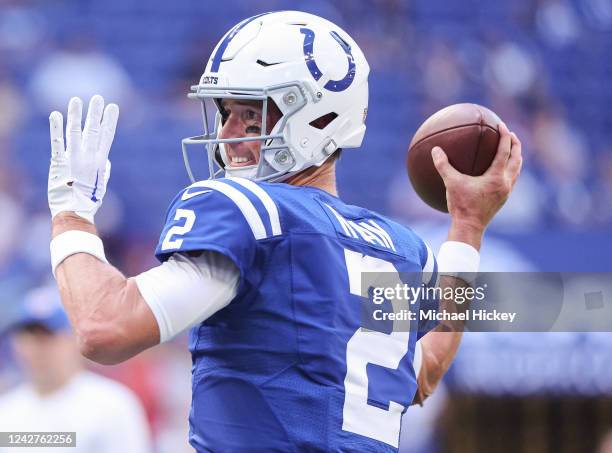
<point>266,200</point>
<point>244,204</point>
<point>429,267</point>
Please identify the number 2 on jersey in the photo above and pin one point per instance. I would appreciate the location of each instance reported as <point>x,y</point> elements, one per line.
<point>176,230</point>
<point>364,347</point>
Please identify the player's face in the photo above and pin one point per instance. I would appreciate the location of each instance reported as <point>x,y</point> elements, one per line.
<point>242,118</point>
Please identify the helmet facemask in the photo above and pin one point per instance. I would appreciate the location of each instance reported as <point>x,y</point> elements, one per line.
<point>277,157</point>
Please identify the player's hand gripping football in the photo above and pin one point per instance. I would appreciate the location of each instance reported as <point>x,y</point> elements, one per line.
<point>474,200</point>
<point>80,170</point>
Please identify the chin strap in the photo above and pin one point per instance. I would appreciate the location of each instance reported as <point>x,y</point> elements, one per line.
<point>241,172</point>
<point>218,157</point>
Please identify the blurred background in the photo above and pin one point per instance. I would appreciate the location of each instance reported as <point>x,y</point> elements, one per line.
<point>542,65</point>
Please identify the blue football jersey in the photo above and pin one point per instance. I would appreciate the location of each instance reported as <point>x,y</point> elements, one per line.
<point>286,366</point>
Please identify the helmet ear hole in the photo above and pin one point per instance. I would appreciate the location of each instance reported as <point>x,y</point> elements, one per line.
<point>274,113</point>
<point>323,121</point>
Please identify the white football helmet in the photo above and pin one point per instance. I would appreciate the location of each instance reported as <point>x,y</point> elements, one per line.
<point>310,68</point>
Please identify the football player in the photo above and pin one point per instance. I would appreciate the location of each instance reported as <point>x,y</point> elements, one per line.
<point>265,264</point>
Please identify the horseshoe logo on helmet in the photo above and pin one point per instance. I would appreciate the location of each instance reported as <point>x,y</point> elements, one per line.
<point>331,85</point>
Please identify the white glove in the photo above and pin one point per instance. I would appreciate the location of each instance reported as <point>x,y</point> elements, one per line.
<point>79,172</point>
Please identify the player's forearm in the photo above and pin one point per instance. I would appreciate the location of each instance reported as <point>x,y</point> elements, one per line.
<point>444,340</point>
<point>440,345</point>
<point>438,351</point>
<point>101,303</point>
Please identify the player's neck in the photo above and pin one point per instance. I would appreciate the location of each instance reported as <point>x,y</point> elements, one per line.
<point>323,177</point>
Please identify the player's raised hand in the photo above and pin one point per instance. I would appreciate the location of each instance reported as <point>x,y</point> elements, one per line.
<point>476,199</point>
<point>80,170</point>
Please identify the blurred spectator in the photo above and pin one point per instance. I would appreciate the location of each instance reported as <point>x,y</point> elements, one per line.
<point>561,151</point>
<point>22,30</point>
<point>557,22</point>
<point>598,13</point>
<point>511,69</point>
<point>443,81</point>
<point>523,210</point>
<point>13,109</point>
<point>10,222</point>
<point>602,206</point>
<point>80,71</point>
<point>59,394</point>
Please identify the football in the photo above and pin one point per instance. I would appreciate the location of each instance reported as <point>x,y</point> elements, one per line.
<point>468,135</point>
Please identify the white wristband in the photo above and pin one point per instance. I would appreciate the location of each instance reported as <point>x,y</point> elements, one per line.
<point>458,259</point>
<point>75,241</point>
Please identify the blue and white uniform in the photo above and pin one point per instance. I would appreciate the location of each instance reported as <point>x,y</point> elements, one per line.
<point>285,366</point>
